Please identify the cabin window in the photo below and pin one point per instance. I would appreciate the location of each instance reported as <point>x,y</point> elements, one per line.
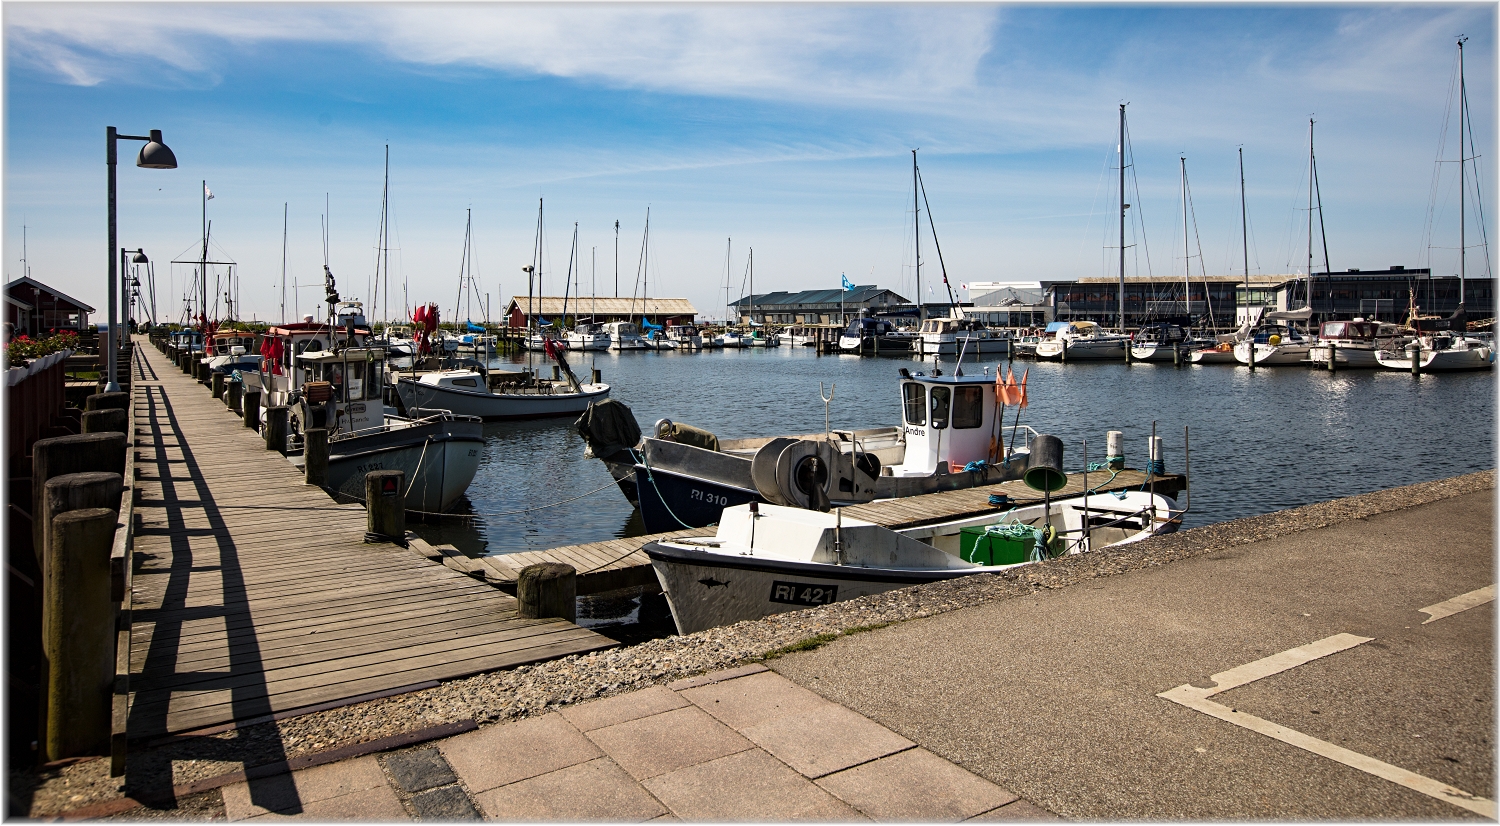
<point>915,397</point>
<point>968,407</point>
<point>941,400</point>
<point>466,382</point>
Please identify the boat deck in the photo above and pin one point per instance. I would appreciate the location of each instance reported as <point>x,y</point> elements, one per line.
<point>254,594</point>
<point>619,563</point>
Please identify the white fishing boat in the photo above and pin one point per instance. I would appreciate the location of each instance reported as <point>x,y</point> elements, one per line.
<point>731,340</point>
<point>1355,343</point>
<point>1439,353</point>
<point>1079,341</point>
<point>765,559</point>
<point>1220,353</point>
<point>951,336</point>
<point>802,336</point>
<point>231,350</point>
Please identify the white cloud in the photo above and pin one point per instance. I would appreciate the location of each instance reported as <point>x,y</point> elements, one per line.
<point>781,51</point>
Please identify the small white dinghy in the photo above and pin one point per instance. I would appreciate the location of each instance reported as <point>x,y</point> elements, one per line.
<point>766,559</point>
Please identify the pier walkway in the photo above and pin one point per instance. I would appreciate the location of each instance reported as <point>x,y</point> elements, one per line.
<point>256,595</point>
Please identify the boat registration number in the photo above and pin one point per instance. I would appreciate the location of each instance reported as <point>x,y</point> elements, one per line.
<point>794,593</point>
<point>710,498</point>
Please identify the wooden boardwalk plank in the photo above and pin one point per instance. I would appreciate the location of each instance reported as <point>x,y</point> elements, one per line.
<point>255,593</point>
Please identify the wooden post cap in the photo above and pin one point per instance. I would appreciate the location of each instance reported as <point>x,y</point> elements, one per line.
<point>547,589</point>
<point>107,401</point>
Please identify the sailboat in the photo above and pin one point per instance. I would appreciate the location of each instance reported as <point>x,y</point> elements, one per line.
<point>1223,352</point>
<point>1170,340</point>
<point>1064,340</point>
<point>1273,344</point>
<point>1441,344</point>
<point>591,335</point>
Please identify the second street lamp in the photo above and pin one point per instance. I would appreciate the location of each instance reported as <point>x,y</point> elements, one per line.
<point>154,155</point>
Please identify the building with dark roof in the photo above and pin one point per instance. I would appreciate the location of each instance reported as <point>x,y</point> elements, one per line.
<point>34,308</point>
<point>817,306</point>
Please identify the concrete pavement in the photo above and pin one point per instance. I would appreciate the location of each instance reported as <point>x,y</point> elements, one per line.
<point>1054,695</point>
<point>744,744</point>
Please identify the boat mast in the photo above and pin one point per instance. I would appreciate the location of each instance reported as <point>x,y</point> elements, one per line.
<point>385,239</point>
<point>1311,173</point>
<point>752,292</point>
<point>916,228</point>
<point>1462,105</point>
<point>1123,206</point>
<point>283,262</point>
<point>728,249</point>
<point>203,304</point>
<point>1244,232</point>
<point>1187,285</point>
<point>617,258</point>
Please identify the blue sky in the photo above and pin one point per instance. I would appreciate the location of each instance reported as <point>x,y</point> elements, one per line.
<point>787,127</point>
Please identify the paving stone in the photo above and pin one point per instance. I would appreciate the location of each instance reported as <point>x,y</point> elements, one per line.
<point>915,785</point>
<point>825,740</point>
<point>756,699</point>
<point>377,805</point>
<point>419,770</point>
<point>748,786</point>
<point>290,792</point>
<point>667,741</point>
<point>625,707</point>
<point>502,754</point>
<point>717,676</point>
<point>596,790</point>
<point>1019,810</point>
<point>447,803</point>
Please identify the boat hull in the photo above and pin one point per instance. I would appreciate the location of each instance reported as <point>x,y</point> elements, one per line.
<point>1212,357</point>
<point>672,501</point>
<point>1271,355</point>
<point>706,590</point>
<point>949,346</point>
<point>1441,361</point>
<point>498,406</point>
<point>438,458</point>
<point>1083,350</point>
<point>1345,356</point>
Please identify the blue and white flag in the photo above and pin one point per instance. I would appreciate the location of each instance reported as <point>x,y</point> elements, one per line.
<point>848,285</point>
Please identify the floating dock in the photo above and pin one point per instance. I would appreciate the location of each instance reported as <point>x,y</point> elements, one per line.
<point>253,594</point>
<point>620,563</point>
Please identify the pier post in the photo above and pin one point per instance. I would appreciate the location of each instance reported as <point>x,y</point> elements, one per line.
<point>385,506</point>
<point>71,492</point>
<point>1415,351</point>
<point>182,361</point>
<point>545,590</point>
<point>78,632</point>
<point>1065,351</point>
<point>315,454</point>
<point>1115,449</point>
<point>107,401</point>
<point>61,455</point>
<point>596,375</point>
<point>1251,345</point>
<point>105,421</point>
<point>251,410</point>
<point>1332,351</point>
<point>234,396</point>
<point>275,429</point>
<point>1128,354</point>
<point>216,383</point>
<point>1176,355</point>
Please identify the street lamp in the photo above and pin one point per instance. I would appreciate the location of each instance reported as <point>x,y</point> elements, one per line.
<point>137,257</point>
<point>154,155</point>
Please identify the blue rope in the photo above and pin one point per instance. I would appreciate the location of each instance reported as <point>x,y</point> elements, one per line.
<point>1113,472</point>
<point>980,466</point>
<point>1156,467</point>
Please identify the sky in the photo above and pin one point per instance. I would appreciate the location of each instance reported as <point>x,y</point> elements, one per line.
<point>783,128</point>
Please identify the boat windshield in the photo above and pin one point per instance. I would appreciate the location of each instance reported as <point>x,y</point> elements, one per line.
<point>968,406</point>
<point>941,401</point>
<point>1347,330</point>
<point>914,398</point>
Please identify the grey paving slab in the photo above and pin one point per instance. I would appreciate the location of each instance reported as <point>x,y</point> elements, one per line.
<point>755,699</point>
<point>377,805</point>
<point>503,754</point>
<point>598,790</point>
<point>826,739</point>
<point>667,741</point>
<point>622,708</point>
<point>419,770</point>
<point>1018,810</point>
<point>915,785</point>
<point>1093,656</point>
<point>748,786</point>
<point>445,804</point>
<point>290,792</point>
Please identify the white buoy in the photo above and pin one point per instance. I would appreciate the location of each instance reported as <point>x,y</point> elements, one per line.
<point>1115,453</point>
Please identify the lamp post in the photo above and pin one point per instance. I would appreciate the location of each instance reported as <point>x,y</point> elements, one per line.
<point>154,155</point>
<point>128,283</point>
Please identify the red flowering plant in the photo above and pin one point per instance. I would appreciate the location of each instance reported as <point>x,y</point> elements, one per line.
<point>23,347</point>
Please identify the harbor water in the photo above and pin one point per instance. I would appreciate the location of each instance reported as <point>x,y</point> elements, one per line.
<point>1262,441</point>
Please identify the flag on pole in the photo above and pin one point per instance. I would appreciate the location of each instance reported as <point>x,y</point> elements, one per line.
<point>848,285</point>
<point>208,194</point>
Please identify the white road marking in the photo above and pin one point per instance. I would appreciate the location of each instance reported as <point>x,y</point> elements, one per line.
<point>1197,699</point>
<point>1463,602</point>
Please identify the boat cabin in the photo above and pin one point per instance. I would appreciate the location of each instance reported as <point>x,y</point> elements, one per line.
<point>1282,333</point>
<point>1357,330</point>
<point>622,329</point>
<point>949,326</point>
<point>187,340</point>
<point>233,342</point>
<point>948,421</point>
<point>1161,333</point>
<point>346,384</point>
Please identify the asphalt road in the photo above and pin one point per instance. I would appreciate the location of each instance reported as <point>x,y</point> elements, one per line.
<point>1054,695</point>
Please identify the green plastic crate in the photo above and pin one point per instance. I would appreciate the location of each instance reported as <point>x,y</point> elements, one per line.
<point>981,548</point>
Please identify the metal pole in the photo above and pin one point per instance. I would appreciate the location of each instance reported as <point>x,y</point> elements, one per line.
<point>111,343</point>
<point>1122,217</point>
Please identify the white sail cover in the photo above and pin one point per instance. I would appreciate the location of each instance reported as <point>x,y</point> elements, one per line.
<point>1304,314</point>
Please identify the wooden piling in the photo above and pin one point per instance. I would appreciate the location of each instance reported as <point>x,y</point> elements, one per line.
<point>1415,350</point>
<point>76,491</point>
<point>216,383</point>
<point>234,396</point>
<point>107,401</point>
<point>1332,353</point>
<point>596,376</point>
<point>546,590</point>
<point>276,427</point>
<point>61,455</point>
<point>252,409</point>
<point>315,454</point>
<point>385,506</point>
<point>78,634</point>
<point>105,421</point>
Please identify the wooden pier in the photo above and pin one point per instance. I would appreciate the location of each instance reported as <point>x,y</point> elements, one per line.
<point>619,563</point>
<point>255,595</point>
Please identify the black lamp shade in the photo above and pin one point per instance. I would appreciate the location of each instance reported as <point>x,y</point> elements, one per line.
<point>138,257</point>
<point>156,155</point>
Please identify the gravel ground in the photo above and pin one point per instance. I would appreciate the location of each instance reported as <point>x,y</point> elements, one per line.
<point>534,689</point>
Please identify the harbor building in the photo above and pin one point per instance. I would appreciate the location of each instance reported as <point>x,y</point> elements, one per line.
<point>33,308</point>
<point>664,311</point>
<point>818,306</point>
<point>1009,303</point>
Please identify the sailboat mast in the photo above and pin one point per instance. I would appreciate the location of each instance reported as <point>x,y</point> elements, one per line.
<point>283,262</point>
<point>728,249</point>
<point>385,242</point>
<point>1187,285</point>
<point>1123,206</point>
<point>617,258</point>
<point>1311,173</point>
<point>1462,105</point>
<point>1244,231</point>
<point>916,228</point>
<point>203,304</point>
